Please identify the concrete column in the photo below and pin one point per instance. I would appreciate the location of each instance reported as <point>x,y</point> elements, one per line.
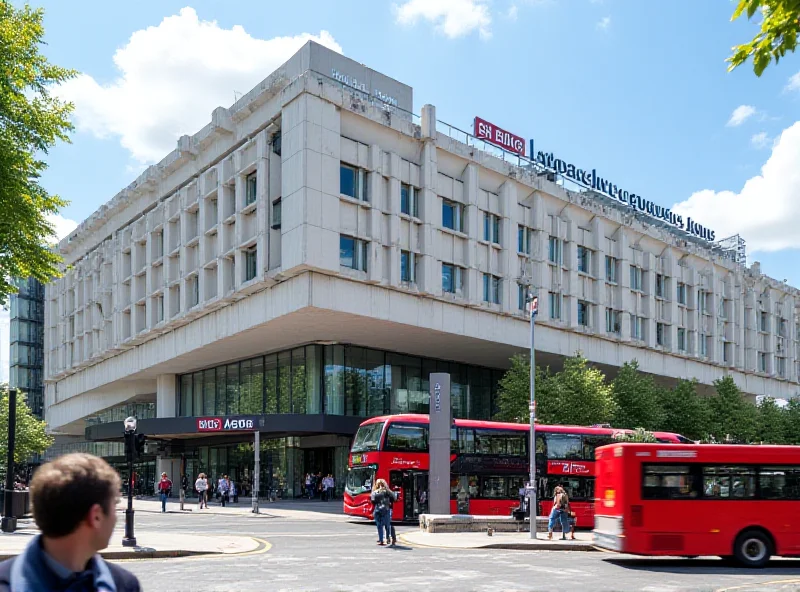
<point>650,267</point>
<point>473,280</point>
<point>166,395</point>
<point>624,280</point>
<point>393,207</point>
<point>428,121</point>
<point>509,260</point>
<point>671,292</point>
<point>429,274</point>
<point>598,270</point>
<point>264,202</point>
<point>375,214</point>
<point>570,256</point>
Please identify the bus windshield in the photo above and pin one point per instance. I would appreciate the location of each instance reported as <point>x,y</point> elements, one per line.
<point>367,437</point>
<point>360,479</point>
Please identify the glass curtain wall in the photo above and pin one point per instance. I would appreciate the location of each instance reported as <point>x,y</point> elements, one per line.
<point>336,380</point>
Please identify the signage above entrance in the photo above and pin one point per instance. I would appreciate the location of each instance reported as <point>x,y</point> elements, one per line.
<point>226,424</point>
<point>499,137</point>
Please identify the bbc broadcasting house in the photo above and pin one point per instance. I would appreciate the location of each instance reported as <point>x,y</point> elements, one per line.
<point>311,255</point>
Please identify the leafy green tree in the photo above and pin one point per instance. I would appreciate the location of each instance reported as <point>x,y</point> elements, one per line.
<point>637,435</point>
<point>31,437</point>
<point>792,421</point>
<point>734,417</point>
<point>31,122</point>
<point>637,399</point>
<point>772,422</point>
<point>514,393</point>
<point>779,32</point>
<point>577,395</point>
<point>686,412</point>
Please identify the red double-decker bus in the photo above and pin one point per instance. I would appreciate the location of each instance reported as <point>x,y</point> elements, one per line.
<point>488,465</point>
<point>705,499</point>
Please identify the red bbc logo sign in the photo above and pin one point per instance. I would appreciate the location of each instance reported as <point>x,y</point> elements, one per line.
<point>209,424</point>
<point>498,136</point>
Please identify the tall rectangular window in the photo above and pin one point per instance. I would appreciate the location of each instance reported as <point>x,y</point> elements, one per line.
<point>681,293</point>
<point>637,327</point>
<point>352,182</point>
<point>681,339</point>
<point>276,214</point>
<point>613,321</point>
<point>611,269</point>
<point>159,308</point>
<point>352,253</point>
<point>491,228</point>
<point>408,200</point>
<point>555,300</point>
<point>762,362</point>
<point>584,315</point>
<point>764,322</point>
<point>722,312</point>
<point>555,250</point>
<point>702,342</point>
<point>522,296</point>
<point>702,301</point>
<point>584,260</point>
<point>194,291</point>
<point>408,267</point>
<point>452,215</point>
<point>660,283</point>
<point>491,288</point>
<point>637,278</point>
<point>524,239</point>
<point>661,334</point>
<point>451,278</point>
<point>251,189</point>
<point>250,263</point>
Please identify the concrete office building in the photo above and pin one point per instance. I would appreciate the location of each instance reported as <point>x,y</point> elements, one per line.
<point>307,259</point>
<point>26,360</point>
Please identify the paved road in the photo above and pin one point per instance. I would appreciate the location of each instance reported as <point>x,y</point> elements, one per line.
<point>332,554</point>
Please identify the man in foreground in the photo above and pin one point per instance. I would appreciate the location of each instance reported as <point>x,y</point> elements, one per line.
<point>74,505</point>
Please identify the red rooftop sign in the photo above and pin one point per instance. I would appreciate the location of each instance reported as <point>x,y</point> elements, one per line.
<point>498,136</point>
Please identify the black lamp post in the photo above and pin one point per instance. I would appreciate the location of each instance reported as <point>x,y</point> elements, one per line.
<point>130,450</point>
<point>9,522</point>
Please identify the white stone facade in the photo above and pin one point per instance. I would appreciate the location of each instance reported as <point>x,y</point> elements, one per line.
<point>231,247</point>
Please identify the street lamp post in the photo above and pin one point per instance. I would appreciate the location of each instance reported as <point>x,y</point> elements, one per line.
<point>534,309</point>
<point>9,522</point>
<point>130,449</point>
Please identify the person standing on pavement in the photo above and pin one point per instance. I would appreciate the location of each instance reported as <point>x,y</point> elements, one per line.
<point>559,513</point>
<point>234,493</point>
<point>201,485</point>
<point>223,486</point>
<point>382,499</point>
<point>164,488</point>
<point>74,505</point>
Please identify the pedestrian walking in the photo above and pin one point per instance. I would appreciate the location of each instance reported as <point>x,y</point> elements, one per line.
<point>201,485</point>
<point>559,512</point>
<point>382,499</point>
<point>164,489</point>
<point>234,492</point>
<point>309,486</point>
<point>74,505</point>
<point>223,487</point>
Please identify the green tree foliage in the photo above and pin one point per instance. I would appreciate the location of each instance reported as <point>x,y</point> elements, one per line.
<point>637,435</point>
<point>514,393</point>
<point>31,437</point>
<point>685,412</point>
<point>778,34</point>
<point>771,422</point>
<point>577,395</point>
<point>792,418</point>
<point>31,122</point>
<point>735,419</point>
<point>637,399</point>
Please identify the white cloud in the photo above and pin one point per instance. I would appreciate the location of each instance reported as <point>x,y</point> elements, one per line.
<point>171,76</point>
<point>513,11</point>
<point>794,83</point>
<point>62,226</point>
<point>741,114</point>
<point>604,23</point>
<point>454,18</point>
<point>765,210</point>
<point>760,140</point>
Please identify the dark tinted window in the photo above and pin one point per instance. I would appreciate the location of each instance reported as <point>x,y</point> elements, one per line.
<point>407,437</point>
<point>563,446</point>
<point>501,442</point>
<point>723,482</point>
<point>592,442</point>
<point>779,482</point>
<point>669,482</point>
<point>579,489</point>
<point>347,180</point>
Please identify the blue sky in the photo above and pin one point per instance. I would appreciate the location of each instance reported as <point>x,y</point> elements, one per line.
<point>638,90</point>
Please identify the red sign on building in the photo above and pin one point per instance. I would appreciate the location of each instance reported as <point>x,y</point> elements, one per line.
<point>228,424</point>
<point>209,424</point>
<point>498,136</point>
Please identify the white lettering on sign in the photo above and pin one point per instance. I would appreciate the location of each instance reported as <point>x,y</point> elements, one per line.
<point>354,83</point>
<point>676,453</point>
<point>238,424</point>
<point>213,423</point>
<point>437,397</point>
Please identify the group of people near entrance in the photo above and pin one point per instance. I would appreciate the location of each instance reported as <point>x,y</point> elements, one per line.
<point>319,486</point>
<point>226,490</point>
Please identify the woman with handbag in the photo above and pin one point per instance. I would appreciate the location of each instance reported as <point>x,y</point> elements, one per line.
<point>382,499</point>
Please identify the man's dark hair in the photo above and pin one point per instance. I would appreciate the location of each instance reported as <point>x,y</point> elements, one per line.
<point>64,490</point>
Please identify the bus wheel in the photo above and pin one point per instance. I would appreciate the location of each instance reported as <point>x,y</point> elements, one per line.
<point>752,548</point>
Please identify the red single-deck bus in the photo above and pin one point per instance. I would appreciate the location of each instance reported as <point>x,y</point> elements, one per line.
<point>705,499</point>
<point>489,465</point>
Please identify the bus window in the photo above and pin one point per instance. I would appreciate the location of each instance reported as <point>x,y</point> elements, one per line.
<point>779,482</point>
<point>668,482</point>
<point>578,488</point>
<point>564,446</point>
<point>407,437</point>
<point>592,442</point>
<point>367,437</point>
<point>501,442</point>
<point>729,482</point>
<point>360,480</point>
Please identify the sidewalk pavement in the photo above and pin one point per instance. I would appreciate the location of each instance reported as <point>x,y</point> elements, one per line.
<point>151,544</point>
<point>500,540</point>
<point>295,509</point>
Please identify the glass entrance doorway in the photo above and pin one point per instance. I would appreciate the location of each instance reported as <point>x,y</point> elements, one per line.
<point>413,486</point>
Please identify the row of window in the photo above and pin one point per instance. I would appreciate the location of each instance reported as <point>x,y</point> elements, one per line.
<point>509,486</point>
<point>695,481</point>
